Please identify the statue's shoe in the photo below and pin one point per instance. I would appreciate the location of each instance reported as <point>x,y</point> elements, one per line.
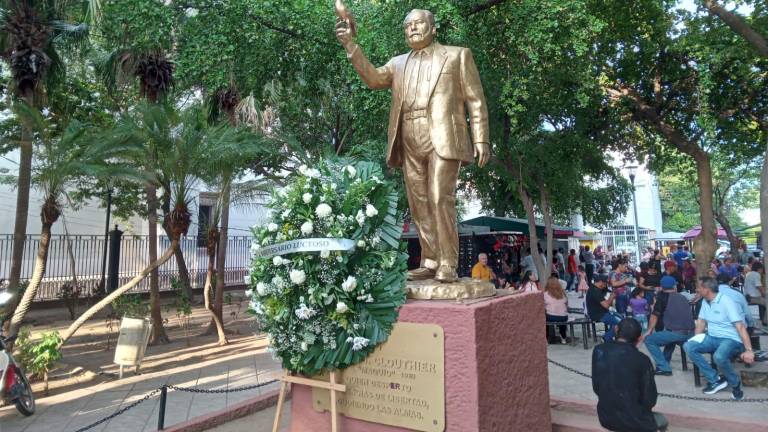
<point>421,273</point>
<point>446,274</point>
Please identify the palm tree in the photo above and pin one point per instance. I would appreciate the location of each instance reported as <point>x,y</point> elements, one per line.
<point>65,157</point>
<point>154,72</point>
<point>179,140</point>
<point>29,33</point>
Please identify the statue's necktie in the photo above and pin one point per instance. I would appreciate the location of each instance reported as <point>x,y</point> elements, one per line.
<point>415,78</point>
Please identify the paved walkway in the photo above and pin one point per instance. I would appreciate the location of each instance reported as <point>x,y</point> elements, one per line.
<point>73,410</point>
<point>570,385</point>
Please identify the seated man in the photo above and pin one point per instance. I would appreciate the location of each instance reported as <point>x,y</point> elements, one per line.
<point>671,322</point>
<point>622,379</point>
<point>481,269</point>
<point>721,323</point>
<point>599,302</point>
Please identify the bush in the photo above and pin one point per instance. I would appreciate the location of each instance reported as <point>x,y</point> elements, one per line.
<point>130,306</point>
<point>38,358</point>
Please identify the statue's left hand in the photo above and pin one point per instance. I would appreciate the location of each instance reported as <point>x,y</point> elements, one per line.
<point>482,153</point>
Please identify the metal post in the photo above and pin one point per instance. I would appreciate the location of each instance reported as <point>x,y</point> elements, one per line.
<point>113,281</point>
<point>106,243</point>
<point>161,410</point>
<point>637,231</point>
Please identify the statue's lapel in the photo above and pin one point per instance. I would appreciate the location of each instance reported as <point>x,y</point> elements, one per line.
<point>439,57</point>
<point>403,77</point>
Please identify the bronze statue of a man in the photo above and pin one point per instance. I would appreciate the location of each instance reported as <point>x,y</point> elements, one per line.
<point>434,89</point>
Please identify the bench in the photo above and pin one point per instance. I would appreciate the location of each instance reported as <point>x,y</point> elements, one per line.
<point>697,374</point>
<point>571,324</point>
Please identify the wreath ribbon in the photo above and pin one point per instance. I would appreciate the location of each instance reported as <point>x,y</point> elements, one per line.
<point>305,245</point>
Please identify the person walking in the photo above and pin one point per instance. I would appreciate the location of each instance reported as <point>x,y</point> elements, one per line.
<point>719,330</point>
<point>670,323</point>
<point>589,264</point>
<point>573,270</point>
<point>623,380</point>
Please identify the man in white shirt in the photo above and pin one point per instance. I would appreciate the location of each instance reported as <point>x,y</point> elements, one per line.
<point>754,290</point>
<point>527,263</point>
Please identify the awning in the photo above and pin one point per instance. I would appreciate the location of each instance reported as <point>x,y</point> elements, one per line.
<point>521,225</point>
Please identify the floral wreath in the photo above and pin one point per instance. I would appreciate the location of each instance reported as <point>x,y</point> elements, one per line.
<point>330,309</point>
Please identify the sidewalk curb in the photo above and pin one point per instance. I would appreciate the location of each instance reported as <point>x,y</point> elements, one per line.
<point>675,417</point>
<point>234,412</point>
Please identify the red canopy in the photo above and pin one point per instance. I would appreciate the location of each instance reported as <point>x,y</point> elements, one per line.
<point>695,231</point>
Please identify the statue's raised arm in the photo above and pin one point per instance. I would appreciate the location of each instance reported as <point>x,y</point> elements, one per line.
<point>346,30</point>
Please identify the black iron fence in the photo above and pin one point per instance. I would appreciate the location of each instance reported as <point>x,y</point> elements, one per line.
<point>83,257</point>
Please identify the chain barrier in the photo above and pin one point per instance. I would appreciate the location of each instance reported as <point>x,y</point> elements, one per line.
<point>154,392</point>
<point>233,390</point>
<point>120,411</point>
<point>668,395</point>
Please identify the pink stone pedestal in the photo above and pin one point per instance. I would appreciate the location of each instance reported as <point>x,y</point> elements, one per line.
<point>495,368</point>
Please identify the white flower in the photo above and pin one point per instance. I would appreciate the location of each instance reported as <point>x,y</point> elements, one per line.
<point>358,343</point>
<point>278,282</point>
<point>333,186</point>
<point>306,228</point>
<point>45,112</point>
<point>349,284</point>
<point>304,346</point>
<point>323,211</point>
<point>375,240</point>
<point>325,253</point>
<point>361,244</point>
<point>286,213</point>
<point>303,312</point>
<point>297,276</point>
<point>272,227</point>
<point>371,211</point>
<point>341,307</point>
<point>307,197</point>
<point>360,218</point>
<point>249,293</point>
<point>262,288</point>
<point>258,308</point>
<point>191,12</point>
<point>247,280</point>
<point>303,170</point>
<point>277,261</point>
<point>351,171</point>
<point>255,246</point>
<point>369,299</point>
<point>312,173</point>
<point>339,258</point>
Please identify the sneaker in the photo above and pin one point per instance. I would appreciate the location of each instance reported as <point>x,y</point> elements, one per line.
<point>715,387</point>
<point>563,341</point>
<point>663,372</point>
<point>737,393</point>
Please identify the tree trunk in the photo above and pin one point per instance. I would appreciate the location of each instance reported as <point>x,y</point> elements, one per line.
<point>705,245</point>
<point>34,284</point>
<point>764,207</point>
<point>739,26</point>
<point>22,213</point>
<point>221,258</point>
<point>548,226</point>
<point>216,321</point>
<point>533,237</point>
<point>184,280</point>
<point>93,310</point>
<point>158,331</point>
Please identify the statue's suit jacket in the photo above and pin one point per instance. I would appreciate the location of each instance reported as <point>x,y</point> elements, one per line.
<point>454,84</point>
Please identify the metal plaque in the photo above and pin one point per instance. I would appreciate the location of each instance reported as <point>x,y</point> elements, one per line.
<point>402,383</point>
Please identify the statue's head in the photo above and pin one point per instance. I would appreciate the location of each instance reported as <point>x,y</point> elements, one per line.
<point>419,26</point>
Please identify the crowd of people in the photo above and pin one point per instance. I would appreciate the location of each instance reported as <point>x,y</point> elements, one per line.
<point>663,303</point>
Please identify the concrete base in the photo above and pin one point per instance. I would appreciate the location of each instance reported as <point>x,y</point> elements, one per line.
<point>495,368</point>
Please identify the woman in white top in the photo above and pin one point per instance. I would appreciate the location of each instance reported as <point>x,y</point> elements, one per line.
<point>529,283</point>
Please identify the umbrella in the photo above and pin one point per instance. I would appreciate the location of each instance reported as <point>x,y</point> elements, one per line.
<point>695,231</point>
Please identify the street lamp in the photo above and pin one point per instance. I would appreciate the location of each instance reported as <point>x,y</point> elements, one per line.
<point>632,170</point>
